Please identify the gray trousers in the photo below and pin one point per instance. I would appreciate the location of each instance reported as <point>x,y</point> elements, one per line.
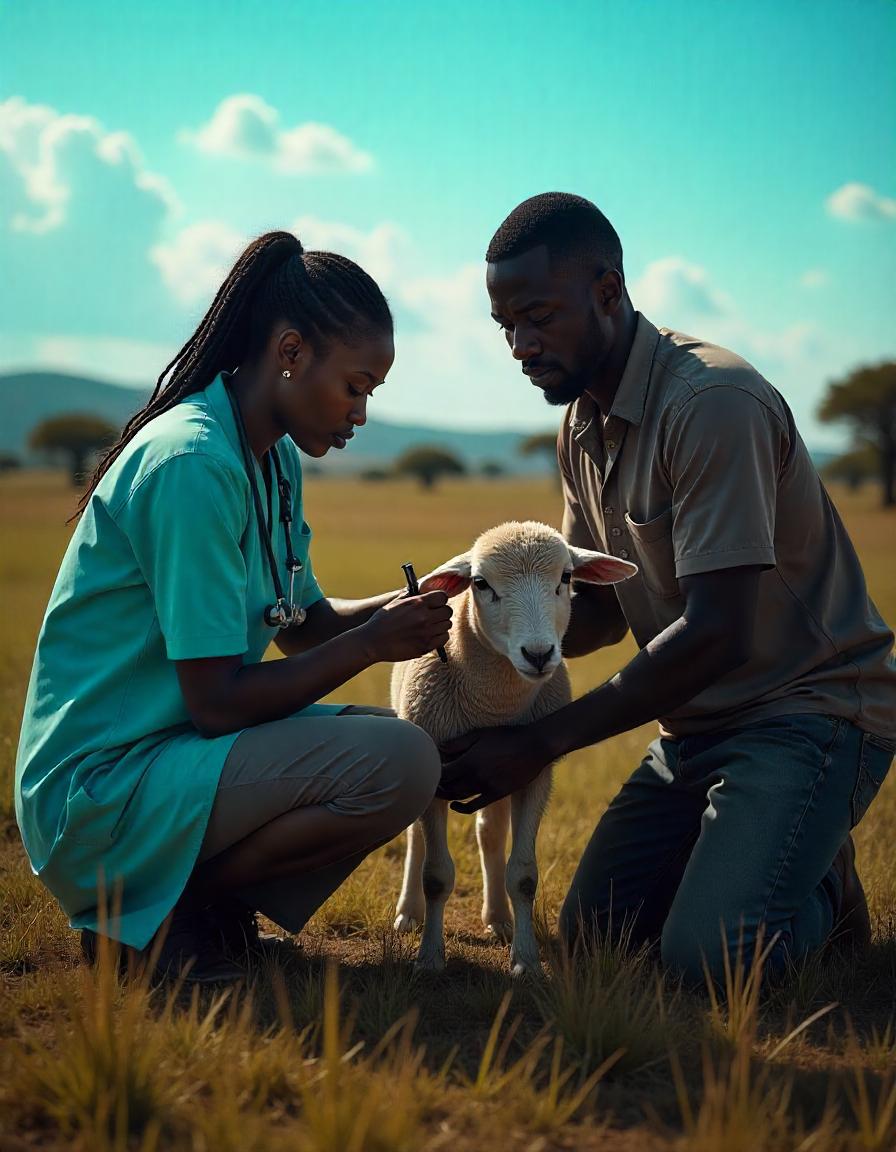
<point>363,763</point>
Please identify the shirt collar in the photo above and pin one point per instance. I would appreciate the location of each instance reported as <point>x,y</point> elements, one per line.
<point>219,402</point>
<point>631,395</point>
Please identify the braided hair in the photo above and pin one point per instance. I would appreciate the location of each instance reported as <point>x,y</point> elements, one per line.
<point>323,294</point>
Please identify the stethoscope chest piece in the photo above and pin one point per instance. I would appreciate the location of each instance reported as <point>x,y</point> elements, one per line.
<point>284,614</point>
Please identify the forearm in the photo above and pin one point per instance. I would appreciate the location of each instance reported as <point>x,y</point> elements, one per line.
<point>328,619</point>
<point>676,666</point>
<point>271,690</point>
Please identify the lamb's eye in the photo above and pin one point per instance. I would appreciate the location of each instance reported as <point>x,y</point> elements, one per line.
<point>564,580</point>
<point>484,586</point>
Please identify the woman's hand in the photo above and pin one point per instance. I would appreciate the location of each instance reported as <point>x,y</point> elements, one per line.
<point>407,627</point>
<point>489,763</point>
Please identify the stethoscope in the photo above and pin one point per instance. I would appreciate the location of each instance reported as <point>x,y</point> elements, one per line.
<point>285,613</point>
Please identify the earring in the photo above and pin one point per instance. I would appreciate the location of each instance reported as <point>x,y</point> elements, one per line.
<point>286,373</point>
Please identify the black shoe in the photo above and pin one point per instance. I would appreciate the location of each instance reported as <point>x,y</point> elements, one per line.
<point>92,942</point>
<point>183,949</point>
<point>852,927</point>
<point>235,929</point>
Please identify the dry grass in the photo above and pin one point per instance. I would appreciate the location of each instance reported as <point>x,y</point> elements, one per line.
<point>346,1048</point>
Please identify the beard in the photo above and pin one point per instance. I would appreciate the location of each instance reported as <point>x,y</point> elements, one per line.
<point>566,392</point>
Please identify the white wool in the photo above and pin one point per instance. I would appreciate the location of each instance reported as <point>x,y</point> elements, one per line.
<point>504,667</point>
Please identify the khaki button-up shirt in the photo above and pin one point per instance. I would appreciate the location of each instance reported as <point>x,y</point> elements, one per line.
<point>698,466</point>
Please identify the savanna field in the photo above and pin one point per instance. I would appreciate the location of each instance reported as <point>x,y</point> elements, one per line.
<point>345,1048</point>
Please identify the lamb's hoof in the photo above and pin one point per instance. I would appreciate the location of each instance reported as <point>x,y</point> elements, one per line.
<point>430,962</point>
<point>501,930</point>
<point>526,970</point>
<point>406,923</point>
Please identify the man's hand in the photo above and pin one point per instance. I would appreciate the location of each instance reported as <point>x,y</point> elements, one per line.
<point>490,763</point>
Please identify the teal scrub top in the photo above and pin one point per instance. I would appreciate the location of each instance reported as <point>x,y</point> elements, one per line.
<point>114,785</point>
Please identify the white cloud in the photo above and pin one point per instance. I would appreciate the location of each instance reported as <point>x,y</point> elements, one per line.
<point>682,296</point>
<point>246,126</point>
<point>53,155</point>
<point>453,366</point>
<point>673,287</point>
<point>856,201</point>
<point>79,212</point>
<point>815,278</point>
<point>794,343</point>
<point>385,251</point>
<point>196,260</point>
<point>313,147</point>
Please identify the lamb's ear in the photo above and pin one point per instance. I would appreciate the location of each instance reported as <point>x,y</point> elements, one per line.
<point>598,567</point>
<point>452,577</point>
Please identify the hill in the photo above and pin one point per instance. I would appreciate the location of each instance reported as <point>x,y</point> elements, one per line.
<point>26,398</point>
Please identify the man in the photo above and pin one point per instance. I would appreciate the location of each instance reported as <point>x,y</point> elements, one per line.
<point>769,668</point>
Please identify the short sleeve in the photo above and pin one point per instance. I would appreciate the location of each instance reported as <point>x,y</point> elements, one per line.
<point>575,528</point>
<point>185,521</point>
<point>723,452</point>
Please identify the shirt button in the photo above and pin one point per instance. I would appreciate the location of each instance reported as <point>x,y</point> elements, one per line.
<point>623,555</point>
<point>611,443</point>
<point>608,511</point>
<point>615,531</point>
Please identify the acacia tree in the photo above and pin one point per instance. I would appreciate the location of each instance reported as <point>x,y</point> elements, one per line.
<point>853,468</point>
<point>427,463</point>
<point>541,444</point>
<point>76,435</point>
<point>866,399</point>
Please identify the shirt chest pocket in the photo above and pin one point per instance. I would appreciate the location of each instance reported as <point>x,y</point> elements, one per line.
<point>655,554</point>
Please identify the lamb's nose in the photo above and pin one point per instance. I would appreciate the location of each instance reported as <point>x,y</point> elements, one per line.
<point>538,659</point>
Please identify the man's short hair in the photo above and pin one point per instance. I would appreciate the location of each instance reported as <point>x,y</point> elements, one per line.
<point>569,226</point>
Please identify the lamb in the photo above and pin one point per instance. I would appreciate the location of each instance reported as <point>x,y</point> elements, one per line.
<point>504,667</point>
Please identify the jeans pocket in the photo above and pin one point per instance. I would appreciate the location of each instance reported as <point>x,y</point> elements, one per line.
<point>874,763</point>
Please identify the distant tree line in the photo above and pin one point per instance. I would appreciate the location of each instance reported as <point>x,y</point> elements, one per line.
<point>865,400</point>
<point>76,437</point>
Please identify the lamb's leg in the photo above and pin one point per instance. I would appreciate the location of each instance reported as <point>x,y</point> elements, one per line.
<point>411,907</point>
<point>491,832</point>
<point>527,808</point>
<point>438,884</point>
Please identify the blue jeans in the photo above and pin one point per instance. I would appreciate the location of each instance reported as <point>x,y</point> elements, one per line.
<point>716,835</point>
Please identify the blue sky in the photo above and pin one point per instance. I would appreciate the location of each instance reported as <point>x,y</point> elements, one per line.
<point>744,152</point>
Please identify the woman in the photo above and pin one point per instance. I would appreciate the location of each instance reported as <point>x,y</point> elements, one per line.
<point>162,767</point>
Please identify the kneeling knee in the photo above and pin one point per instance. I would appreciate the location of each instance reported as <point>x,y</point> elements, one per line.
<point>687,954</point>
